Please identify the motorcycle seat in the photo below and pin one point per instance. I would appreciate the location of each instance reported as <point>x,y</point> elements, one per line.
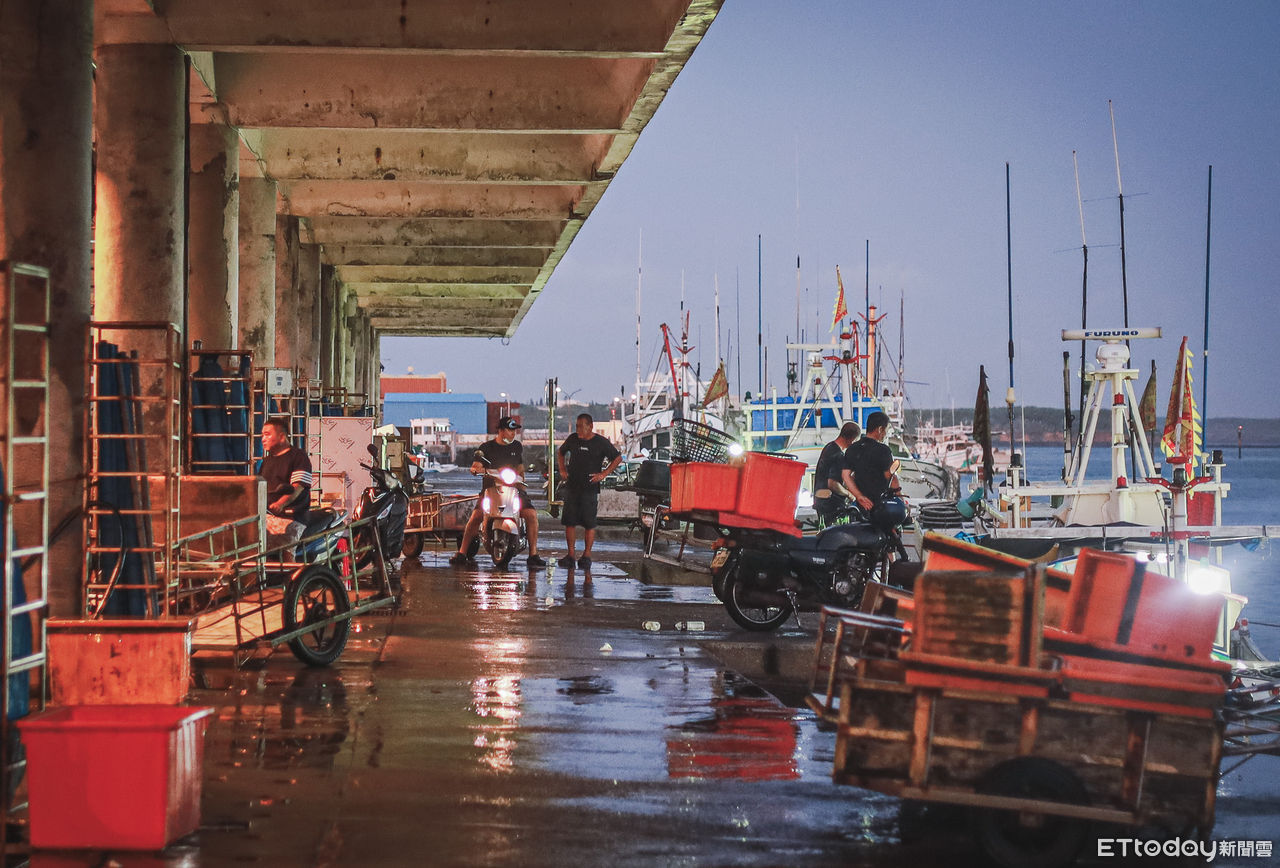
<point>317,520</point>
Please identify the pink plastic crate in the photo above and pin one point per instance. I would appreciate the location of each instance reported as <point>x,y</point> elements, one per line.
<point>770,487</point>
<point>114,777</point>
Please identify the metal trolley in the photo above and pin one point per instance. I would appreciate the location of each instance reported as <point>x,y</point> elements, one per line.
<point>245,597</point>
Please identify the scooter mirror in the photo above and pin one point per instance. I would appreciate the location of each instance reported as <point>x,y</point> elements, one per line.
<point>372,450</point>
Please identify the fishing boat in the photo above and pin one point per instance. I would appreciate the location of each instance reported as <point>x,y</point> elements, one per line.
<point>1174,522</point>
<point>953,446</point>
<point>835,389</point>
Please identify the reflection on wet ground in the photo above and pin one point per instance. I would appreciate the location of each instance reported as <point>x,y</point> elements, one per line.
<point>527,719</point>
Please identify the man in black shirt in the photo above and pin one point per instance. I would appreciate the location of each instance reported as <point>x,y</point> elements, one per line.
<point>829,493</point>
<point>504,450</point>
<point>287,470</point>
<point>580,459</point>
<point>868,464</point>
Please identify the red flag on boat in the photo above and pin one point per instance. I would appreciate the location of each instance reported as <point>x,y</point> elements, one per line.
<point>841,310</point>
<point>1181,437</point>
<point>718,388</point>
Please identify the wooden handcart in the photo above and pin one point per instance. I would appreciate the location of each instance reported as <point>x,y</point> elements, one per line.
<point>1026,696</point>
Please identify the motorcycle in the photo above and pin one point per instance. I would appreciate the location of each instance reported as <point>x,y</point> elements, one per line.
<point>388,503</point>
<point>502,527</point>
<point>763,576</point>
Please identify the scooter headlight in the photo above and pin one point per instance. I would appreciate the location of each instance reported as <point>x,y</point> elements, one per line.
<point>507,475</point>
<point>485,504</point>
<point>386,512</point>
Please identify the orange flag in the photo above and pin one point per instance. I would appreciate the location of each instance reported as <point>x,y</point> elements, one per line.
<point>1181,423</point>
<point>718,388</point>
<point>841,310</point>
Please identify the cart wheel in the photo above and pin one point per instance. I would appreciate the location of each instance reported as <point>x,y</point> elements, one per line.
<point>1019,839</point>
<point>754,609</point>
<point>412,545</point>
<point>313,598</point>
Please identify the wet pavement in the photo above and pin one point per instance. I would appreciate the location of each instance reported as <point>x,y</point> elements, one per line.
<point>531,719</point>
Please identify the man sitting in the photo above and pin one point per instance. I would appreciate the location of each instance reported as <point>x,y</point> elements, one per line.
<point>287,470</point>
<point>504,450</point>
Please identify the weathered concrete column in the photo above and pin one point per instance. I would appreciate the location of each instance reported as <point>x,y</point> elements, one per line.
<point>350,347</point>
<point>46,182</point>
<point>341,339</point>
<point>258,269</point>
<point>328,307</point>
<point>286,291</point>
<point>140,119</point>
<point>213,244</point>
<point>307,355</point>
<point>375,354</point>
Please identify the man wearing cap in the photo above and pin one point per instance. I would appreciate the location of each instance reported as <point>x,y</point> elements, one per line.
<point>504,450</point>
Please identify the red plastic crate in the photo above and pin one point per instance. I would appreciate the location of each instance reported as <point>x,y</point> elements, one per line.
<point>770,487</point>
<point>711,487</point>
<point>679,488</point>
<point>114,777</point>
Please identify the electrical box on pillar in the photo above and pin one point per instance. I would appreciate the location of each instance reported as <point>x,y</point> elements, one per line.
<point>279,381</point>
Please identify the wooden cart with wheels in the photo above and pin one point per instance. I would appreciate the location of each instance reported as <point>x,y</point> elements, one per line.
<point>1047,705</point>
<point>245,598</point>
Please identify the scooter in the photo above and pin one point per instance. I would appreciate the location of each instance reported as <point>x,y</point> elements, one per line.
<point>763,576</point>
<point>388,504</point>
<point>502,527</point>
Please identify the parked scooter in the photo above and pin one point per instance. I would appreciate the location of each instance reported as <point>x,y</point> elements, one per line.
<point>502,527</point>
<point>388,504</point>
<point>763,576</point>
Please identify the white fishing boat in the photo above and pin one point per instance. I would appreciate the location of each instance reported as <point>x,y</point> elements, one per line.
<point>1168,520</point>
<point>953,446</point>
<point>835,390</point>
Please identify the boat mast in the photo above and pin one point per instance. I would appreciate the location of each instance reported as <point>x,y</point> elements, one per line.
<point>1204,370</point>
<point>1124,284</point>
<point>760,314</point>
<point>1009,397</point>
<point>639,278</point>
<point>1084,301</point>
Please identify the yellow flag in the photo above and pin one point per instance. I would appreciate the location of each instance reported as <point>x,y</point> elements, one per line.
<point>718,388</point>
<point>841,310</point>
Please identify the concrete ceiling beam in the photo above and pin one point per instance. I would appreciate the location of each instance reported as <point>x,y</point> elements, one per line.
<point>412,199</point>
<point>549,94</point>
<point>417,257</point>
<point>474,275</point>
<point>408,294</point>
<point>430,232</point>
<point>425,155</point>
<point>562,26</point>
<point>449,308</point>
<point>394,327</point>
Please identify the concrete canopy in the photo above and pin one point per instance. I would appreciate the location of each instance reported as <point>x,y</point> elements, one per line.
<point>443,154</point>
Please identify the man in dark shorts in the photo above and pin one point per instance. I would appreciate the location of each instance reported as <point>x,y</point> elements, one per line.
<point>504,450</point>
<point>580,459</point>
<point>829,493</point>
<point>287,470</point>
<point>868,464</point>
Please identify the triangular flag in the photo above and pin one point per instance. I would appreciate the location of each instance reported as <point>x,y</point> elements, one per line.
<point>841,310</point>
<point>1181,437</point>
<point>718,388</point>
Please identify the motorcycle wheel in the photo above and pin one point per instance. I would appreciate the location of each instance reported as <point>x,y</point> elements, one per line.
<point>746,608</point>
<point>413,543</point>
<point>503,548</point>
<point>314,597</point>
<point>718,579</point>
<point>364,545</point>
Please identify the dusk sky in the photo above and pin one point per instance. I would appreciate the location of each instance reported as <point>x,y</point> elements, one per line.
<point>820,126</point>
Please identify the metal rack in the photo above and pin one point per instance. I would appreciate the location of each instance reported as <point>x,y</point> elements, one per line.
<point>24,441</point>
<point>134,461</point>
<point>215,379</point>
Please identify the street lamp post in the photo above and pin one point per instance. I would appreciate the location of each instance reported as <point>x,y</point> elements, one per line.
<point>506,405</point>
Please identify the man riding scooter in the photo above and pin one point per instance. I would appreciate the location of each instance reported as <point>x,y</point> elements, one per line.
<point>502,451</point>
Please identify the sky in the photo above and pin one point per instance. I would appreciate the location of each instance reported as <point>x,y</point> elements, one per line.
<point>827,129</point>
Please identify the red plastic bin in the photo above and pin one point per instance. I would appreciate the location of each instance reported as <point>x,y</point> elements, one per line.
<point>680,488</point>
<point>116,777</point>
<point>770,487</point>
<point>711,487</point>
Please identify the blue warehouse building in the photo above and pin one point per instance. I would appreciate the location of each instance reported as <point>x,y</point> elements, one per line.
<point>466,412</point>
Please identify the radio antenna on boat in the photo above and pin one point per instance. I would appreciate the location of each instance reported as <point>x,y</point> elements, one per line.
<point>1124,284</point>
<point>1009,397</point>
<point>1204,370</point>
<point>1084,295</point>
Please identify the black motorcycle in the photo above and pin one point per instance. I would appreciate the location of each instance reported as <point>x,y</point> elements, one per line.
<point>388,504</point>
<point>763,576</point>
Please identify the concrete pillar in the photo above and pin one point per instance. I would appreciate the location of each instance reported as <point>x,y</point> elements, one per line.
<point>46,181</point>
<point>258,269</point>
<point>349,348</point>
<point>140,121</point>
<point>341,339</point>
<point>376,355</point>
<point>286,291</point>
<point>328,307</point>
<point>213,245</point>
<point>307,354</point>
